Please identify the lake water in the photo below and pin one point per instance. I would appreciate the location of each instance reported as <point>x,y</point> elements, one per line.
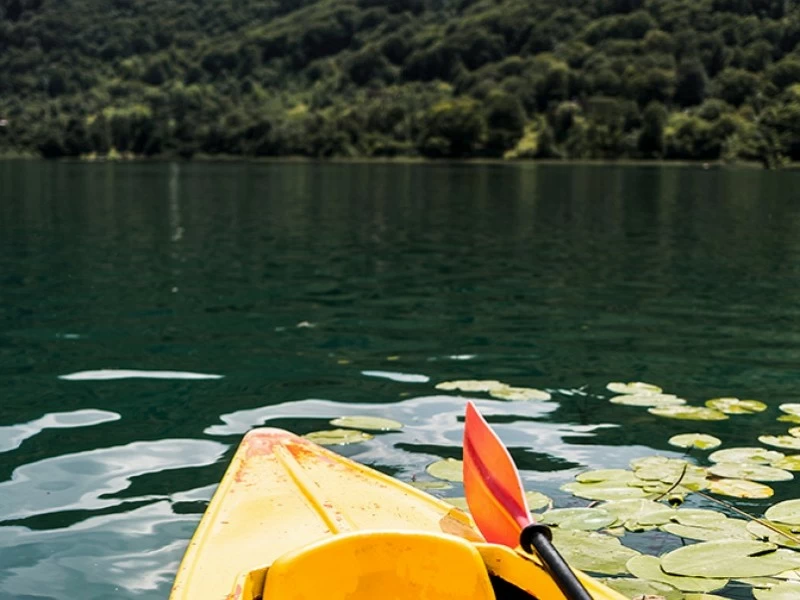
<point>315,291</point>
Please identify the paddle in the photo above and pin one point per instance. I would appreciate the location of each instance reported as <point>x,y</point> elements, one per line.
<point>496,499</point>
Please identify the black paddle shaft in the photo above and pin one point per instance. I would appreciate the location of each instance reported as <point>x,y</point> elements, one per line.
<point>539,538</point>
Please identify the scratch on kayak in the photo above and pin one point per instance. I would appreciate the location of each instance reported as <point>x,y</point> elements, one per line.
<point>109,374</point>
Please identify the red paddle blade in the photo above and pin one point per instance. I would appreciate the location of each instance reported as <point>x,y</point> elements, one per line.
<point>492,483</point>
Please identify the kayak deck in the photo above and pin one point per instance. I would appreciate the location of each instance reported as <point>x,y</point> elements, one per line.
<point>289,513</point>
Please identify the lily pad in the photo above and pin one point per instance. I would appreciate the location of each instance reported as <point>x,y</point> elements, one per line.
<point>649,568</point>
<point>338,437</point>
<point>537,500</point>
<point>788,590</point>
<point>616,476</point>
<point>789,463</point>
<point>789,418</point>
<point>729,558</point>
<point>633,387</point>
<point>458,503</point>
<point>758,456</point>
<point>449,469</point>
<point>689,413</point>
<point>787,512</point>
<point>584,519</point>
<point>795,431</point>
<point>781,441</point>
<point>701,441</point>
<point>639,514</point>
<point>698,517</point>
<point>740,488</point>
<point>519,393</point>
<point>734,406</point>
<point>592,551</point>
<point>749,472</point>
<point>430,485</point>
<point>471,385</point>
<point>639,588</point>
<point>603,491</point>
<point>787,539</point>
<point>791,408</point>
<point>367,423</point>
<point>724,529</point>
<point>647,400</point>
<point>701,596</point>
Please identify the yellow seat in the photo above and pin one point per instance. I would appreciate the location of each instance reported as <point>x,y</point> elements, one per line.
<point>390,565</point>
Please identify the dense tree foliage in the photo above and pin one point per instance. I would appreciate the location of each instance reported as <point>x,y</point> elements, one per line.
<point>655,79</point>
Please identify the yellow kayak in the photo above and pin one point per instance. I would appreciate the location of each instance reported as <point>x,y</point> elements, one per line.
<point>294,521</point>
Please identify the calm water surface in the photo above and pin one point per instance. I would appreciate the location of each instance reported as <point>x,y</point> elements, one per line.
<point>315,291</point>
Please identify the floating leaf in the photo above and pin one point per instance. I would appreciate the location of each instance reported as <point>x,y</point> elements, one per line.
<point>671,472</point>
<point>749,471</point>
<point>781,441</point>
<point>458,503</point>
<point>729,558</point>
<point>643,590</point>
<point>791,408</point>
<point>724,529</point>
<point>338,437</point>
<point>592,551</point>
<point>690,413</point>
<point>603,491</point>
<point>537,500</point>
<point>368,423</point>
<point>584,519</point>
<point>471,385</point>
<point>702,597</point>
<point>789,418</point>
<point>740,488</point>
<point>758,456</point>
<point>519,393</point>
<point>648,400</point>
<point>633,387</point>
<point>734,406</point>
<point>701,441</point>
<point>431,485</point>
<point>616,476</point>
<point>788,590</point>
<point>787,512</point>
<point>649,568</point>
<point>698,517</point>
<point>795,431</point>
<point>787,539</point>
<point>639,514</point>
<point>790,463</point>
<point>449,469</point>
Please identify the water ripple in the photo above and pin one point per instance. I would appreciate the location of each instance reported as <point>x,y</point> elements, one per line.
<point>12,436</point>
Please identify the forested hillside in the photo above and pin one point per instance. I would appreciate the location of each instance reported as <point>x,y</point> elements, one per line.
<point>672,79</point>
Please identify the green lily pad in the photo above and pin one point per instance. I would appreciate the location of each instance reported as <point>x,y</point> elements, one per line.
<point>615,476</point>
<point>367,423</point>
<point>649,568</point>
<point>639,514</point>
<point>787,539</point>
<point>724,529</point>
<point>603,491</point>
<point>689,413</point>
<point>789,463</point>
<point>781,441</point>
<point>338,437</point>
<point>662,476</point>
<point>740,488</point>
<point>788,590</point>
<point>701,596</point>
<point>761,583</point>
<point>646,400</point>
<point>519,393</point>
<point>729,558</point>
<point>758,456</point>
<point>786,512</point>
<point>449,469</point>
<point>749,472</point>
<point>789,418</point>
<point>698,517</point>
<point>537,500</point>
<point>592,551</point>
<point>791,408</point>
<point>701,441</point>
<point>430,485</point>
<point>795,431</point>
<point>584,519</point>
<point>639,588</point>
<point>734,406</point>
<point>458,503</point>
<point>471,385</point>
<point>633,387</point>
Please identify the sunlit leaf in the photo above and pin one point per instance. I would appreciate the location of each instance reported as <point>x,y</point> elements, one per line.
<point>592,551</point>
<point>449,469</point>
<point>639,514</point>
<point>791,408</point>
<point>749,471</point>
<point>458,503</point>
<point>698,517</point>
<point>701,441</point>
<point>616,476</point>
<point>648,400</point>
<point>633,387</point>
<point>431,485</point>
<point>734,406</point>
<point>787,512</point>
<point>781,441</point>
<point>471,385</point>
<point>724,529</point>
<point>368,423</point>
<point>729,558</point>
<point>740,488</point>
<point>787,539</point>
<point>759,456</point>
<point>674,472</point>
<point>795,431</point>
<point>519,393</point>
<point>537,500</point>
<point>641,589</point>
<point>761,583</point>
<point>701,596</point>
<point>789,418</point>
<point>788,590</point>
<point>584,519</point>
<point>649,568</point>
<point>338,437</point>
<point>789,463</point>
<point>603,491</point>
<point>689,413</point>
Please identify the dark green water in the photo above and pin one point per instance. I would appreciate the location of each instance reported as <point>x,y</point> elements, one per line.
<point>324,290</point>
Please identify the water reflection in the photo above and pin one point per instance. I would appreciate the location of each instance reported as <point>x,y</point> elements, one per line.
<point>12,436</point>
